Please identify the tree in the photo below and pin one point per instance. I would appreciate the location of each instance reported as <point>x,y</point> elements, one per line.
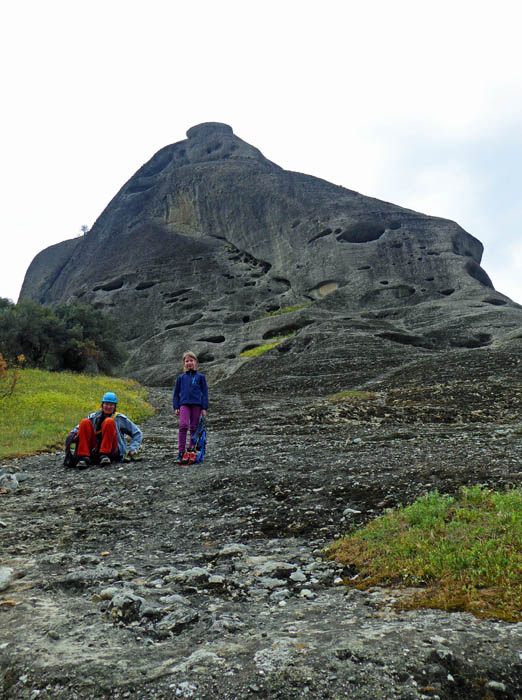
<point>35,332</point>
<point>94,337</point>
<point>70,336</point>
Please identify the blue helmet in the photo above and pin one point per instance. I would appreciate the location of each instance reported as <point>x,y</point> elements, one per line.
<point>109,397</point>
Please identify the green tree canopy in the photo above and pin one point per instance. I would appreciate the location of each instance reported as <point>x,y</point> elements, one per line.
<point>69,336</point>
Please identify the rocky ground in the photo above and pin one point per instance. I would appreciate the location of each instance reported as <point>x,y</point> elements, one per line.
<point>152,581</point>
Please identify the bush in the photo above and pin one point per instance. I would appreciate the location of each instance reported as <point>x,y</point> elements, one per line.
<point>9,376</point>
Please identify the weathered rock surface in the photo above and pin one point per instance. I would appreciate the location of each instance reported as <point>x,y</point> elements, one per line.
<point>209,237</point>
<point>150,581</point>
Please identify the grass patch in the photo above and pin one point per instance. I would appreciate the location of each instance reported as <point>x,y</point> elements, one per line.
<point>47,405</point>
<point>353,395</point>
<point>462,553</point>
<point>287,309</point>
<point>260,349</point>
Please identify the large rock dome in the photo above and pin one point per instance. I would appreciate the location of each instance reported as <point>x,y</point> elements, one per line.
<point>209,246</point>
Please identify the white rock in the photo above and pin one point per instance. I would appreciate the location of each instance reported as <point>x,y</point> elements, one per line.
<point>350,511</point>
<point>6,577</point>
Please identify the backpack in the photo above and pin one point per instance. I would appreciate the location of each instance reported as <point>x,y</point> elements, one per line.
<point>196,453</point>
<point>71,458</point>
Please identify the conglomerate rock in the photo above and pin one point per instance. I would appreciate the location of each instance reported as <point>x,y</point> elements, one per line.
<point>209,239</point>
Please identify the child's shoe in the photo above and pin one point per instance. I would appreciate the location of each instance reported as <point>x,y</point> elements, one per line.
<point>189,457</point>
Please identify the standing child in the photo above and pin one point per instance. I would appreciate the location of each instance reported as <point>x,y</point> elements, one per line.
<point>190,400</point>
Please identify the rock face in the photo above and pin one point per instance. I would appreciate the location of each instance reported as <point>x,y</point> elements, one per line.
<point>209,239</point>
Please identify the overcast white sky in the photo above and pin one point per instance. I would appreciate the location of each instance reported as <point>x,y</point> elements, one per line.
<point>414,102</point>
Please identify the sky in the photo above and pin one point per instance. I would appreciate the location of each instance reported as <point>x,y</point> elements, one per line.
<point>418,103</point>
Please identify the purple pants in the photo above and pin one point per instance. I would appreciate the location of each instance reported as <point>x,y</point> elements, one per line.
<point>188,420</point>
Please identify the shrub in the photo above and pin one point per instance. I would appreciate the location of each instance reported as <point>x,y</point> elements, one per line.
<point>9,376</point>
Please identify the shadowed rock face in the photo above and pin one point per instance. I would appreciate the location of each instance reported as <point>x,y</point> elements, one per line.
<point>209,237</point>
